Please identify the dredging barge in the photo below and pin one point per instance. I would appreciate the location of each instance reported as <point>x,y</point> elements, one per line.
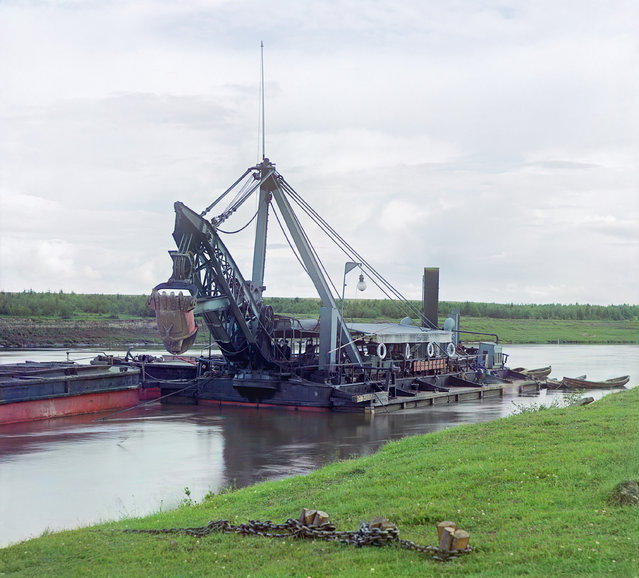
<point>270,360</point>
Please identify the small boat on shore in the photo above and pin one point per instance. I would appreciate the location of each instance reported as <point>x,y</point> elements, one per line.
<point>538,373</point>
<point>579,383</point>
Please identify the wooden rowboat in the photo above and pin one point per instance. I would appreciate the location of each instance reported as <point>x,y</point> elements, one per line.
<point>554,384</point>
<point>559,384</point>
<point>615,382</point>
<point>539,373</point>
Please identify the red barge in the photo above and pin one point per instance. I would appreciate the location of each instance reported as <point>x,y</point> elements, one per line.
<point>32,391</point>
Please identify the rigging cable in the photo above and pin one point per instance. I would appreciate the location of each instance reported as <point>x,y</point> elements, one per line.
<point>216,201</point>
<point>245,192</point>
<point>299,259</point>
<point>315,254</point>
<point>343,245</point>
<point>239,230</point>
<point>337,239</point>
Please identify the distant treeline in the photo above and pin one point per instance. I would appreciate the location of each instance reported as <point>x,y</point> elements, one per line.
<point>386,309</point>
<point>70,305</point>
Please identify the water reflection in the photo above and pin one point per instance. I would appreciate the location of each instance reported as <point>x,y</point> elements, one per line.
<point>74,471</point>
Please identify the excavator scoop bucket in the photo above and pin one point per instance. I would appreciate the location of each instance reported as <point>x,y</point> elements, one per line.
<point>175,320</point>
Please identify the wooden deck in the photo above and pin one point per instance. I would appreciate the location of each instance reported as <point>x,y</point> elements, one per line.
<point>428,398</point>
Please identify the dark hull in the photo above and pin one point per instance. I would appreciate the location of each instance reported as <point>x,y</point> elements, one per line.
<point>152,371</point>
<point>293,394</point>
<point>298,394</point>
<point>161,371</point>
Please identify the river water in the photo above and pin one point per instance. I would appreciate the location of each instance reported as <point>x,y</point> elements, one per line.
<point>68,472</point>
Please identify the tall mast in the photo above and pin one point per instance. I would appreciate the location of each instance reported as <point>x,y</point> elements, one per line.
<point>262,90</point>
<point>264,198</point>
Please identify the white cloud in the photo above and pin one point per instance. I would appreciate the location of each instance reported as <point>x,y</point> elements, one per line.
<point>496,141</point>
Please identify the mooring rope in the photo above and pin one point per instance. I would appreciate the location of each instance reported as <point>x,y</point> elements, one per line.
<point>144,403</point>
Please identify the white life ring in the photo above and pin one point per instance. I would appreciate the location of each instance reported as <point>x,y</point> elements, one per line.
<point>430,350</point>
<point>407,351</point>
<point>381,350</point>
<point>450,350</point>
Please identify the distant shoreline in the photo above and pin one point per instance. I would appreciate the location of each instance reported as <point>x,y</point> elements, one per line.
<point>34,333</point>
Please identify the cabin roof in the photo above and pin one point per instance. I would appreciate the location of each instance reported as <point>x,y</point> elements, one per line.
<point>383,332</point>
<point>400,333</point>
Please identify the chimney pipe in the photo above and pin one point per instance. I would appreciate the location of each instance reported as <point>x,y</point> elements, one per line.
<point>430,296</point>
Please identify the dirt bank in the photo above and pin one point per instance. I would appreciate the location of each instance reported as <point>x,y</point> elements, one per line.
<point>24,332</point>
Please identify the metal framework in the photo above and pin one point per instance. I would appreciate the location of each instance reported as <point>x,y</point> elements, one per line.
<point>232,306</point>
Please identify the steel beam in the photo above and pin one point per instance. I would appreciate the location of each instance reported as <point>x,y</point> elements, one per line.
<point>259,251</point>
<point>335,321</point>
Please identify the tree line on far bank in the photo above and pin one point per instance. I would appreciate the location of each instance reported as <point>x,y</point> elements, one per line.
<point>71,305</point>
<point>75,305</point>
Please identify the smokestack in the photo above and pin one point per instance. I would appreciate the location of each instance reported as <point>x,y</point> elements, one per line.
<point>430,296</point>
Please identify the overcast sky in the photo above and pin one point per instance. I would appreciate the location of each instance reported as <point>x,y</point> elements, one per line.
<point>497,140</point>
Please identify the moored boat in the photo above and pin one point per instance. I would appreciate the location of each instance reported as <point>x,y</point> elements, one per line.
<point>558,383</point>
<point>538,373</point>
<point>578,383</point>
<point>33,391</point>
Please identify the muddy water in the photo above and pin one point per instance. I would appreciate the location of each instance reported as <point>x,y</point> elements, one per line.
<point>68,472</point>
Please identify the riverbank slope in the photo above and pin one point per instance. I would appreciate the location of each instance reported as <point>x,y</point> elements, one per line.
<point>536,492</point>
<point>140,332</point>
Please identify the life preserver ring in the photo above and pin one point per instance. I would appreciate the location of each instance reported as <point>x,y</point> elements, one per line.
<point>381,350</point>
<point>450,350</point>
<point>407,351</point>
<point>430,350</point>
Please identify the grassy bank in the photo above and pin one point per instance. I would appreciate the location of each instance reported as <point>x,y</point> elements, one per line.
<point>533,490</point>
<point>106,332</point>
<point>554,330</point>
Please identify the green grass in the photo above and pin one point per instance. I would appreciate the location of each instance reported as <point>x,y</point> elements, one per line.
<point>95,330</point>
<point>554,330</point>
<point>533,490</point>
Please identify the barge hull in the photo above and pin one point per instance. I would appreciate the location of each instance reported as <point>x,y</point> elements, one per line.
<point>309,396</point>
<point>34,391</point>
<point>286,394</point>
<point>305,408</point>
<point>40,409</point>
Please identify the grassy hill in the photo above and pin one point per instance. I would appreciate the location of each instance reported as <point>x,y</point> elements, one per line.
<point>537,492</point>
